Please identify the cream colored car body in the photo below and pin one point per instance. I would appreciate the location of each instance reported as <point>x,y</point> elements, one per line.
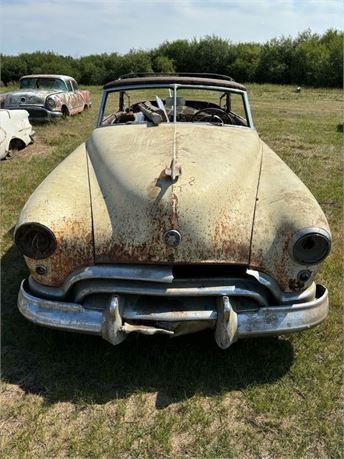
<point>235,203</point>
<point>15,131</point>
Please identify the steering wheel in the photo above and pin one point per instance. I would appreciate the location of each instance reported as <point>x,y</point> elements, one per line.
<point>213,114</point>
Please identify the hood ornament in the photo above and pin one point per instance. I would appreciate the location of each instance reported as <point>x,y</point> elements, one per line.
<point>172,238</point>
<point>174,170</point>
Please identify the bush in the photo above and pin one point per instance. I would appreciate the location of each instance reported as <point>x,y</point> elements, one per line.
<point>308,59</point>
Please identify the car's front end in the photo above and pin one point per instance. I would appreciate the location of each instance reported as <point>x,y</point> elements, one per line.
<point>173,227</point>
<point>41,105</point>
<point>116,300</point>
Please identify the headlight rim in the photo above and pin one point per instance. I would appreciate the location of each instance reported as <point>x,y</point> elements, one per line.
<point>309,231</point>
<point>31,226</point>
<point>47,103</point>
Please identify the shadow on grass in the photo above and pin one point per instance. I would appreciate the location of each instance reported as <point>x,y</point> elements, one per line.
<point>64,366</point>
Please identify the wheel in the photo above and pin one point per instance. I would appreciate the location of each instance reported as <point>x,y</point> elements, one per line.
<point>64,112</point>
<point>14,146</point>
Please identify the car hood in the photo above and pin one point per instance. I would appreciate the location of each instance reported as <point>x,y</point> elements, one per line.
<point>211,204</point>
<point>27,97</point>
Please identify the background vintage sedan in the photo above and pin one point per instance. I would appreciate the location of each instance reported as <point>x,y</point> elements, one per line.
<point>47,97</point>
<point>181,219</point>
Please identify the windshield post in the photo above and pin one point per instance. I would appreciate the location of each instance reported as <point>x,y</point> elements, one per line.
<point>174,103</point>
<point>101,109</point>
<point>248,111</point>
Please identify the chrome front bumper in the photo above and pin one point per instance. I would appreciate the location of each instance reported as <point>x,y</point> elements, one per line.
<point>118,318</point>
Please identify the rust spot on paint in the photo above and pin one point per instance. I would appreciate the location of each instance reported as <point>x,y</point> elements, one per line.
<point>229,242</point>
<point>74,250</point>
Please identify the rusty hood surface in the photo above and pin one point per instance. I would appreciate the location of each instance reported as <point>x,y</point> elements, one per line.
<point>211,203</point>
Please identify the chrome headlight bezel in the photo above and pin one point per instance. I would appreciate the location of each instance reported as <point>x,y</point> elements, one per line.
<point>310,246</point>
<point>50,103</point>
<point>35,240</point>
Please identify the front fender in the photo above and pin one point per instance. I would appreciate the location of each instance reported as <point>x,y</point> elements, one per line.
<point>62,203</point>
<point>284,206</point>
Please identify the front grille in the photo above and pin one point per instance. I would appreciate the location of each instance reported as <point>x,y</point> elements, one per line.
<point>92,293</point>
<point>175,282</point>
<point>208,271</point>
<point>37,113</point>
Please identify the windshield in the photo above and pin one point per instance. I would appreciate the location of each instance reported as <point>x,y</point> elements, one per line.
<point>43,83</point>
<point>157,105</point>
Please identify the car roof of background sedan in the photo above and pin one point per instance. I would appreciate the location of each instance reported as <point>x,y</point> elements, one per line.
<point>175,79</point>
<point>61,77</point>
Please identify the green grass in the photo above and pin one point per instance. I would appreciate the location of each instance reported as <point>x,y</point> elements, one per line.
<point>74,395</point>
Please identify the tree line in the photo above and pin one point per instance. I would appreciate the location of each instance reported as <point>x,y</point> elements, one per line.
<point>309,59</point>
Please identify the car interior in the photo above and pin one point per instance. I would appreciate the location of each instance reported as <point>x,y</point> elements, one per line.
<point>159,109</point>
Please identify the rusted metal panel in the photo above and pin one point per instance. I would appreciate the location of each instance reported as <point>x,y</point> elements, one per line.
<point>284,205</point>
<point>62,203</point>
<point>134,203</point>
<point>211,203</point>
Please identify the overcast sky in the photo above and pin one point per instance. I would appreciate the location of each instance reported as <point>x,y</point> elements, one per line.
<point>81,27</point>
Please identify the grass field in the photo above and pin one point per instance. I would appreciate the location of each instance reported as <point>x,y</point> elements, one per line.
<point>77,396</point>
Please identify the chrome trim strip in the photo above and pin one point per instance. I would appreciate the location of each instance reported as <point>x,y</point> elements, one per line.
<point>171,316</point>
<point>173,291</point>
<point>310,230</point>
<point>162,274</point>
<point>282,297</point>
<point>266,281</point>
<point>248,111</point>
<point>174,103</point>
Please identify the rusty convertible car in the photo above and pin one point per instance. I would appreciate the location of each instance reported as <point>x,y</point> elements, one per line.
<point>47,97</point>
<point>173,217</point>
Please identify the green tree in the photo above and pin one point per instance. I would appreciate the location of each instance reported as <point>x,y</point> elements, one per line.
<point>308,59</point>
<point>246,61</point>
<point>12,68</point>
<point>163,64</point>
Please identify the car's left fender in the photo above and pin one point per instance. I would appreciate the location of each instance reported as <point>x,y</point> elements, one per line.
<point>62,204</point>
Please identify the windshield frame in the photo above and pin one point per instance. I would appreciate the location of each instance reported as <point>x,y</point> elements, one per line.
<point>174,87</point>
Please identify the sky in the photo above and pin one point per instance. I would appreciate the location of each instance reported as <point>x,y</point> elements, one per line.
<point>82,27</point>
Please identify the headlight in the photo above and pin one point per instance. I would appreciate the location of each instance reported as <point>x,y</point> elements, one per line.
<point>35,240</point>
<point>311,245</point>
<point>50,103</point>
